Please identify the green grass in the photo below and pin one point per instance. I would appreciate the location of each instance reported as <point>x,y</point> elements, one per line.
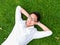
<point>50,16</point>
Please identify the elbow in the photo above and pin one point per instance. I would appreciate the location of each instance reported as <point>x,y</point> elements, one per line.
<point>50,33</point>
<point>18,7</point>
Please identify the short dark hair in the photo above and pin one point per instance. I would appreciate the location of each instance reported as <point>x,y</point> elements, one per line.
<point>37,14</point>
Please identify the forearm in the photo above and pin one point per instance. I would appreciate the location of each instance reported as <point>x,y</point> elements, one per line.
<point>43,26</point>
<point>23,11</point>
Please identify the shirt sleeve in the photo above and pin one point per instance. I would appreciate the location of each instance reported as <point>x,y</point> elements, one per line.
<point>41,34</point>
<point>18,14</point>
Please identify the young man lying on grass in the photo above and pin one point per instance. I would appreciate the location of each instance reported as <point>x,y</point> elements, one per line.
<point>24,30</point>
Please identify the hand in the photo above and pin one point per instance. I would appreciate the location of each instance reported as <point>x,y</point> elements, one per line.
<point>36,23</point>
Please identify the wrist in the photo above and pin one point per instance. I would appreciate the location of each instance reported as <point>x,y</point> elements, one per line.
<point>38,23</point>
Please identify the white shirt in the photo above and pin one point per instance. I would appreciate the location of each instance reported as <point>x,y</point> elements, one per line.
<point>22,35</point>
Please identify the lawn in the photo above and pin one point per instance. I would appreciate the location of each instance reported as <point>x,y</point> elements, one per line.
<point>50,16</point>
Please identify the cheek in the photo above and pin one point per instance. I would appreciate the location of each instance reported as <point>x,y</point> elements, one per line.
<point>32,22</point>
<point>28,21</point>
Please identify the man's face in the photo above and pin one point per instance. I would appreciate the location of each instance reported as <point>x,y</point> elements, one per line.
<point>32,19</point>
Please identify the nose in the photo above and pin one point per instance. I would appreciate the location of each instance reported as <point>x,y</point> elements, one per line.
<point>29,21</point>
